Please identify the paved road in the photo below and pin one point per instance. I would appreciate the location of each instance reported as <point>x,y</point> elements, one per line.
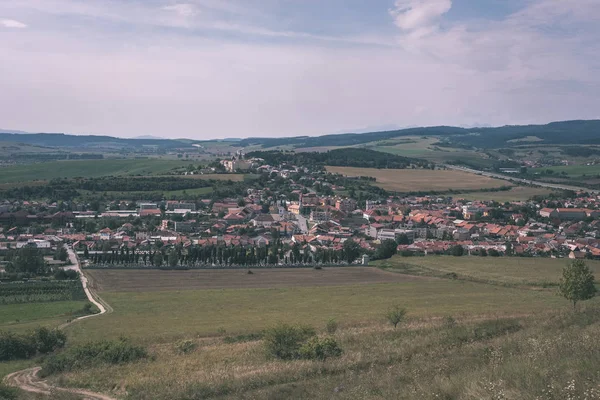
<point>28,379</point>
<point>521,180</point>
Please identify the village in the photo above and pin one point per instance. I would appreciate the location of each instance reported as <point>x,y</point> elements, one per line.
<point>303,227</point>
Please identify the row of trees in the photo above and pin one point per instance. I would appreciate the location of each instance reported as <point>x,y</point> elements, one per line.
<point>223,255</point>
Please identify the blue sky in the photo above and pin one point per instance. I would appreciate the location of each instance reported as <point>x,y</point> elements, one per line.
<point>231,68</point>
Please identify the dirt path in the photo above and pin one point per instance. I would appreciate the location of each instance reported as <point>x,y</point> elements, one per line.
<point>28,379</point>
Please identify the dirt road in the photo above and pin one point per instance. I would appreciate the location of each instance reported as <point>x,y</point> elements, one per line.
<point>28,379</point>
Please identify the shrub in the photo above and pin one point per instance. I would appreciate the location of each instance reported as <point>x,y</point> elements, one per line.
<point>449,322</point>
<point>320,349</point>
<point>8,393</point>
<point>91,354</point>
<point>250,337</point>
<point>284,341</point>
<point>16,347</point>
<point>185,346</point>
<point>87,308</point>
<point>40,340</point>
<point>331,326</point>
<point>395,315</point>
<point>46,340</point>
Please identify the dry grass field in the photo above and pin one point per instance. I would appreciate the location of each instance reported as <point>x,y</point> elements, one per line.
<point>157,280</point>
<point>414,180</point>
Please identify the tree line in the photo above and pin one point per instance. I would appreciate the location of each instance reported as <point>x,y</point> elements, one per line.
<point>225,256</point>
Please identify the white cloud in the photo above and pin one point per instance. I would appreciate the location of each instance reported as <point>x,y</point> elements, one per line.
<point>11,23</point>
<point>419,16</point>
<point>183,9</point>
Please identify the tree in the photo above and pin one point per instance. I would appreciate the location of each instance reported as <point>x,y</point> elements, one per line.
<point>29,260</point>
<point>173,258</point>
<point>387,249</point>
<point>61,254</point>
<point>403,239</point>
<point>457,250</point>
<point>395,315</point>
<point>157,260</point>
<point>351,250</point>
<point>577,283</point>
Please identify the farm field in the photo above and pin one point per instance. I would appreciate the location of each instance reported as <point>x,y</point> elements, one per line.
<point>503,270</point>
<point>517,193</point>
<point>23,317</point>
<point>160,280</point>
<point>198,313</point>
<point>414,180</point>
<point>88,169</point>
<point>574,171</point>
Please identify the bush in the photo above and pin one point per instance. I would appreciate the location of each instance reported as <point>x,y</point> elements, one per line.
<point>284,341</point>
<point>185,346</point>
<point>320,349</point>
<point>331,326</point>
<point>16,347</point>
<point>8,393</point>
<point>395,315</point>
<point>449,322</point>
<point>95,353</point>
<point>87,308</point>
<point>250,337</point>
<point>38,341</point>
<point>46,340</point>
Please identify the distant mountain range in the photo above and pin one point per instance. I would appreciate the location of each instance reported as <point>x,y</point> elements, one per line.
<point>12,131</point>
<point>564,132</point>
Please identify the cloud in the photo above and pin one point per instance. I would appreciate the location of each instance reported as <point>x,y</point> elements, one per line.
<point>183,9</point>
<point>419,16</point>
<point>133,68</point>
<point>11,23</point>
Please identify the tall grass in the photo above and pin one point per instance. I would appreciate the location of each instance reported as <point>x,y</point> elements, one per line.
<point>550,357</point>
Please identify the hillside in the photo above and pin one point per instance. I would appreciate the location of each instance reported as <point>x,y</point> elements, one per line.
<point>564,132</point>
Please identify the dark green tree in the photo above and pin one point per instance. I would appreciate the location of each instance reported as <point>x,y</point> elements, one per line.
<point>577,283</point>
<point>351,250</point>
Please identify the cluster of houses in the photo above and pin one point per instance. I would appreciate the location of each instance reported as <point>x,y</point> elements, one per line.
<point>421,225</point>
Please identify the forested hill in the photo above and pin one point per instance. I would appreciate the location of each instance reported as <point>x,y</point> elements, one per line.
<point>350,157</point>
<point>566,132</point>
<point>67,141</point>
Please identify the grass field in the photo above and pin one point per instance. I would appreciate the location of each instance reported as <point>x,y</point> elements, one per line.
<point>503,270</point>
<point>87,169</point>
<point>21,317</point>
<point>150,297</point>
<point>575,171</point>
<point>157,280</point>
<point>517,193</point>
<point>515,340</point>
<point>413,180</point>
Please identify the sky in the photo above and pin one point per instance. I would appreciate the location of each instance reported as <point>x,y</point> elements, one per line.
<point>207,69</point>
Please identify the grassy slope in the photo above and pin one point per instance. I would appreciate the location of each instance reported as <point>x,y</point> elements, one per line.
<point>87,168</point>
<point>550,356</point>
<point>505,270</point>
<point>164,316</point>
